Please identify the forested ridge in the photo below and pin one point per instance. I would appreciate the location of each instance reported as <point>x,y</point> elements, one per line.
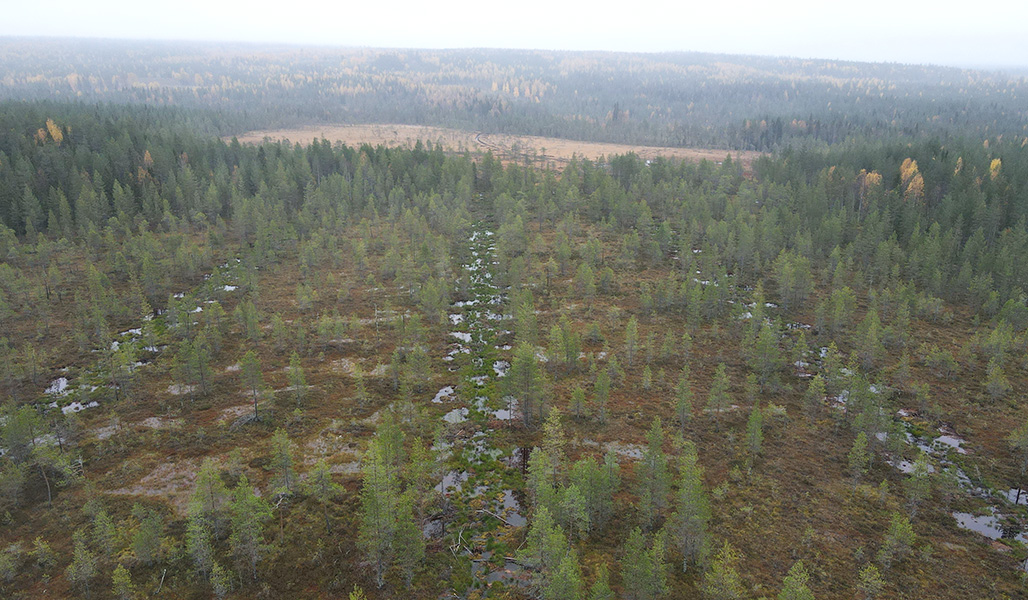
<point>278,370</point>
<point>668,99</point>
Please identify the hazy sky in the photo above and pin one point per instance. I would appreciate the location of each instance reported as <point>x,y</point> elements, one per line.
<point>911,31</point>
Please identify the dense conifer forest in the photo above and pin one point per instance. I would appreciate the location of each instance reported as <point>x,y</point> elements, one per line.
<point>280,370</point>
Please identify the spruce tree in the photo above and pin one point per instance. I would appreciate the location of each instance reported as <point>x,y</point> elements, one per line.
<point>718,399</point>
<point>755,431</point>
<point>858,458</point>
<point>653,476</point>
<point>297,381</point>
<point>601,394</point>
<point>870,582</point>
<point>253,380</point>
<point>574,512</point>
<point>121,583</point>
<point>147,542</point>
<point>597,483</point>
<point>688,526</point>
<point>282,462</point>
<point>248,513</point>
<point>1018,442</point>
<point>814,397</point>
<point>566,582</point>
<point>541,483</point>
<point>524,381</point>
<point>104,533</point>
<point>631,341</point>
<point>766,357</point>
<point>209,495</point>
<point>378,510</point>
<point>577,402</point>
<point>643,567</point>
<point>722,581</point>
<point>545,546</point>
<point>408,537</point>
<point>918,484</point>
<point>898,541</point>
<point>319,485</point>
<point>684,399</point>
<point>221,581</point>
<point>83,563</point>
<point>199,543</point>
<point>600,589</point>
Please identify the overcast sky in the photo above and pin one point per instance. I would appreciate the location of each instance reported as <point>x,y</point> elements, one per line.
<point>912,31</point>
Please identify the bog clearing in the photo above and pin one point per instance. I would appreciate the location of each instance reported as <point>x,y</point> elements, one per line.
<point>543,151</point>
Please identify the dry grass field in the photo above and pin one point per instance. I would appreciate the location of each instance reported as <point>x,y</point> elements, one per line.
<point>553,151</point>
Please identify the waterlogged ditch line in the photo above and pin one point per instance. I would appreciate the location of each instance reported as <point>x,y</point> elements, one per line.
<point>1002,518</point>
<point>480,486</point>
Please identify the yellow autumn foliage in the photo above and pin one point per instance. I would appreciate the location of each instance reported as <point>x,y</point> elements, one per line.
<point>867,180</point>
<point>55,132</point>
<point>994,168</point>
<point>915,189</point>
<point>908,168</point>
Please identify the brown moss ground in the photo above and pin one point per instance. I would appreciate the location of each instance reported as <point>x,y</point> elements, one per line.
<point>796,502</point>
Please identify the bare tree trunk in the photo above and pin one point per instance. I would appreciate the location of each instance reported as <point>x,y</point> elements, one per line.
<point>49,493</point>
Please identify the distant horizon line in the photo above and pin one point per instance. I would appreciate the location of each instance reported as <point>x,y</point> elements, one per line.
<point>1010,69</point>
